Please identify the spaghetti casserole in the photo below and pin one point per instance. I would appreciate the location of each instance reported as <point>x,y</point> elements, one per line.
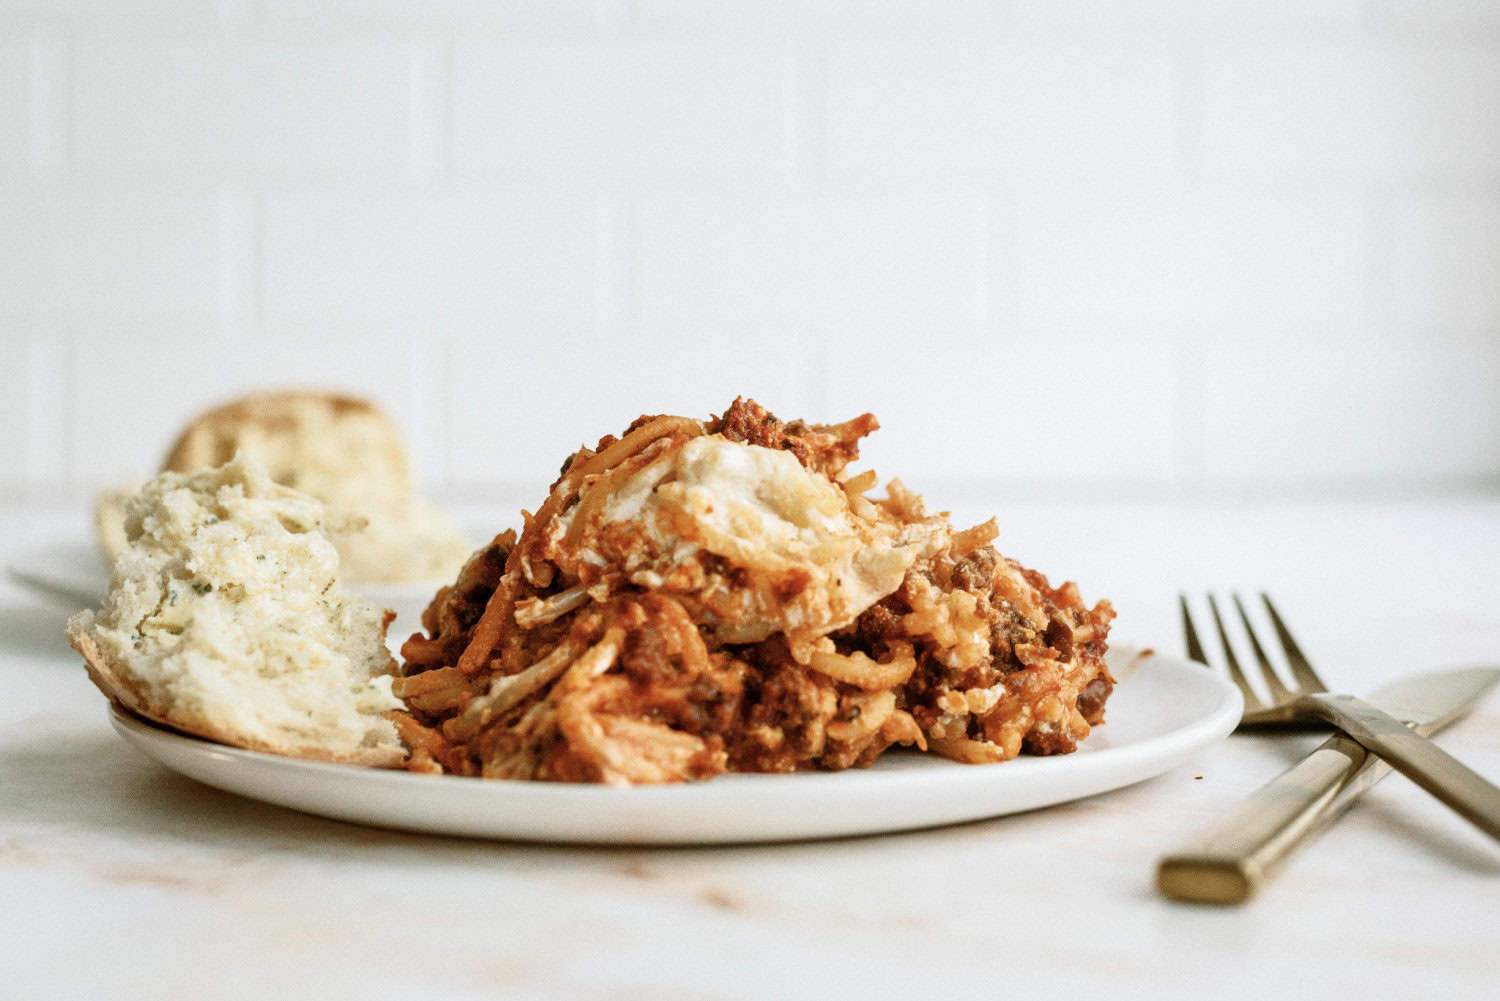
<point>698,597</point>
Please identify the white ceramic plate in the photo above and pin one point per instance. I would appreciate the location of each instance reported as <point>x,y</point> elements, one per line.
<point>73,573</point>
<point>1164,711</point>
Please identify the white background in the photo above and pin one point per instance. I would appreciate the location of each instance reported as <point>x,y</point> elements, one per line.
<point>1164,249</point>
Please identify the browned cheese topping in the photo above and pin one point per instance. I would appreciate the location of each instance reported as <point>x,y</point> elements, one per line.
<point>700,597</point>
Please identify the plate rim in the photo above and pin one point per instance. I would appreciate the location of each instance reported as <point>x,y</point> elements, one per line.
<point>1098,770</point>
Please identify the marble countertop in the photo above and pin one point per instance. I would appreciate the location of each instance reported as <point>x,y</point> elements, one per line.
<point>123,879</point>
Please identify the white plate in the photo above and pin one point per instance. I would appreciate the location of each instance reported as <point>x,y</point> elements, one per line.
<point>1164,711</point>
<point>73,573</point>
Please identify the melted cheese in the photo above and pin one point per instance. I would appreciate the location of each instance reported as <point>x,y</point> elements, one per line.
<point>742,497</point>
<point>813,564</point>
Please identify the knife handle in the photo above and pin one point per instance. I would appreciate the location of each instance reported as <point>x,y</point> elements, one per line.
<point>1227,863</point>
<point>1473,796</point>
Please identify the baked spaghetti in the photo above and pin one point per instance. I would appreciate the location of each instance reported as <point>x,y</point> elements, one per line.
<point>695,597</point>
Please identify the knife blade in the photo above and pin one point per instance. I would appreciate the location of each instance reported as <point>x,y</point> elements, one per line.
<point>1228,862</point>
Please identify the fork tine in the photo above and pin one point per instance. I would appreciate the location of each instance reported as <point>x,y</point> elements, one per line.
<point>1303,671</point>
<point>1194,645</point>
<point>1252,700</point>
<point>1279,692</point>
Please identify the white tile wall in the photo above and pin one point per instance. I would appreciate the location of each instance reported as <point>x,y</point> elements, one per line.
<point>1442,15</point>
<point>204,108</point>
<point>664,108</point>
<point>545,16</point>
<point>14,406</point>
<point>110,15</point>
<point>1056,247</point>
<point>102,260</point>
<point>904,18</point>
<point>1445,261</point>
<point>14,113</point>
<point>1189,262</point>
<point>1320,412</point>
<point>485,258</point>
<point>824,268</point>
<point>1345,106</point>
<point>1039,106</point>
<point>1213,15</point>
<point>39,418</point>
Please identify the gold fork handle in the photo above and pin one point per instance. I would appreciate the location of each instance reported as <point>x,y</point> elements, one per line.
<point>1419,759</point>
<point>1228,862</point>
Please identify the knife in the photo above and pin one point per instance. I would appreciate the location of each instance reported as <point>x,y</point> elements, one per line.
<point>1228,862</point>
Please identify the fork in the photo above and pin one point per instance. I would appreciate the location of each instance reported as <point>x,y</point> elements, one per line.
<point>1416,757</point>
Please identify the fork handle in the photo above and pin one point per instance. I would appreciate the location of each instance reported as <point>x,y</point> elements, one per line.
<point>1228,862</point>
<point>1416,757</point>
